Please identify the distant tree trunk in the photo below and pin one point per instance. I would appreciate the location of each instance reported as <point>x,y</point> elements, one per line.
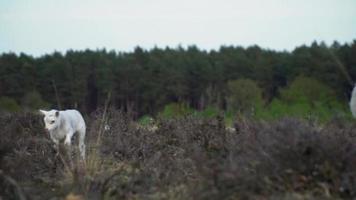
<point>92,97</point>
<point>74,90</point>
<point>1,89</point>
<point>130,108</point>
<point>220,102</point>
<point>202,102</point>
<point>56,93</point>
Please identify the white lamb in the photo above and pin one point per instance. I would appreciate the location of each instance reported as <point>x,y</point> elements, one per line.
<point>62,125</point>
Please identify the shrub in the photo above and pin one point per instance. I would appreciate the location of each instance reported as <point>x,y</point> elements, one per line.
<point>33,101</point>
<point>26,155</point>
<point>8,104</point>
<point>209,112</point>
<point>307,89</point>
<point>175,110</point>
<point>305,98</point>
<point>185,158</point>
<point>244,96</point>
<point>146,120</point>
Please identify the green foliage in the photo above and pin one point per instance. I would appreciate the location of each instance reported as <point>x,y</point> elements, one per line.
<point>278,109</point>
<point>229,118</point>
<point>244,96</point>
<point>306,98</point>
<point>208,112</point>
<point>8,104</point>
<point>145,120</point>
<point>33,101</point>
<point>173,110</point>
<point>307,89</point>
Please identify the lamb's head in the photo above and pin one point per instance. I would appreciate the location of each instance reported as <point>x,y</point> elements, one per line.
<point>51,119</point>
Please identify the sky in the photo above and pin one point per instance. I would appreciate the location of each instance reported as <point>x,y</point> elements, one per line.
<point>38,27</point>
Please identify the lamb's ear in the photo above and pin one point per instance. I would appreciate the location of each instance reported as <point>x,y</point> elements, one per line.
<point>43,112</point>
<point>57,113</point>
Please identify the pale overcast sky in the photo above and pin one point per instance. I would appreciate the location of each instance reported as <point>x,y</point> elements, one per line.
<point>42,26</point>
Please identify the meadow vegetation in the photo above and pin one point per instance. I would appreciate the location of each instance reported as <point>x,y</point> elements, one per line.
<point>186,157</point>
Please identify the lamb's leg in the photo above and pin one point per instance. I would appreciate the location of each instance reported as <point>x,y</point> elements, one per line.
<point>68,139</point>
<point>81,143</point>
<point>68,147</point>
<point>68,143</point>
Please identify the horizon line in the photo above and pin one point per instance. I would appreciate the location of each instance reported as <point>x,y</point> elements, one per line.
<point>176,47</point>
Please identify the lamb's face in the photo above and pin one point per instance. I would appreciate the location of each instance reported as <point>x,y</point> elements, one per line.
<point>51,119</point>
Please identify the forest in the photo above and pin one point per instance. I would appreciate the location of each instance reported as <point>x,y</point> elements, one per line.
<point>315,78</point>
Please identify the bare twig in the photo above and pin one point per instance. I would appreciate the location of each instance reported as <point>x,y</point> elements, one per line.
<point>104,118</point>
<point>56,92</point>
<point>341,67</point>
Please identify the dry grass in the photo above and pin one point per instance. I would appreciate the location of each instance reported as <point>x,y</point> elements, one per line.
<point>186,158</point>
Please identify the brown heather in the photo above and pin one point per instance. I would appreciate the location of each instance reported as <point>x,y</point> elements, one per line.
<point>185,158</point>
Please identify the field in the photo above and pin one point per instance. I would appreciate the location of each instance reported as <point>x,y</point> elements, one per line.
<point>184,158</point>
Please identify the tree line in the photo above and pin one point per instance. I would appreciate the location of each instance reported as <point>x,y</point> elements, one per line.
<point>145,81</point>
